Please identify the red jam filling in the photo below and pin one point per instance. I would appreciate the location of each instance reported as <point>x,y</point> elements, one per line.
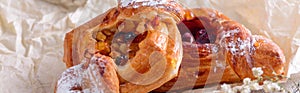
<point>193,31</point>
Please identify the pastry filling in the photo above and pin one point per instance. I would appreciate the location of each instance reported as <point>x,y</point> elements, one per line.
<point>193,31</point>
<point>121,41</point>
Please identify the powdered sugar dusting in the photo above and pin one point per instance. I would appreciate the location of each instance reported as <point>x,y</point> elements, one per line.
<point>71,77</point>
<point>126,3</point>
<point>235,45</point>
<point>85,79</point>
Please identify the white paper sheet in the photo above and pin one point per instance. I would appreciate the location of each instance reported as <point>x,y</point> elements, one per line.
<point>32,34</point>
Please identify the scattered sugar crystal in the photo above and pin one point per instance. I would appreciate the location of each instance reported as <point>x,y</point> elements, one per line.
<point>257,71</point>
<point>246,89</point>
<point>255,86</point>
<point>247,81</point>
<point>271,87</point>
<point>226,88</point>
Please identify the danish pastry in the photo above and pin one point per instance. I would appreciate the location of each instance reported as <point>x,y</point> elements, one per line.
<point>157,43</point>
<point>214,44</point>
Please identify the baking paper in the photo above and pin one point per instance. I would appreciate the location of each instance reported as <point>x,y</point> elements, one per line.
<point>32,34</point>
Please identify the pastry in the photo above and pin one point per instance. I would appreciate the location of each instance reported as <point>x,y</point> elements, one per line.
<point>144,42</point>
<point>156,44</point>
<point>94,75</point>
<point>214,45</point>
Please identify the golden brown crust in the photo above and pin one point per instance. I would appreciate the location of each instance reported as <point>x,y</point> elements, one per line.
<point>197,67</point>
<point>268,55</point>
<point>71,52</point>
<point>67,58</point>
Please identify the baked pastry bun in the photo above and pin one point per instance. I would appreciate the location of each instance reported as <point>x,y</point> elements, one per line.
<point>144,42</point>
<point>217,49</point>
<point>94,75</point>
<point>157,45</point>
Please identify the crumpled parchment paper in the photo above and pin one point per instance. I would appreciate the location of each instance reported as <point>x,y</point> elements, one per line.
<point>32,34</point>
